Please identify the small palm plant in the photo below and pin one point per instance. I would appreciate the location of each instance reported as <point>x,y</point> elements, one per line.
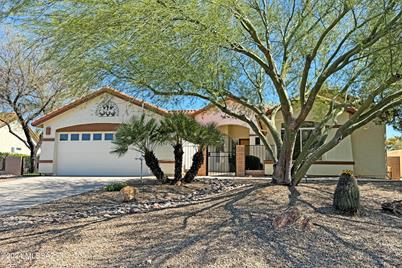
<point>176,128</point>
<point>142,135</point>
<point>202,135</point>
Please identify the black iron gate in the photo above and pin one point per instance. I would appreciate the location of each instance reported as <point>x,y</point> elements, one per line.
<point>221,162</point>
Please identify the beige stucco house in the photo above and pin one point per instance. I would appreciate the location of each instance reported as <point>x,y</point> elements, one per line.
<point>363,152</point>
<point>77,140</point>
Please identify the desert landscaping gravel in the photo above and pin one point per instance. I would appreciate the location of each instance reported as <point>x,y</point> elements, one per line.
<point>232,226</point>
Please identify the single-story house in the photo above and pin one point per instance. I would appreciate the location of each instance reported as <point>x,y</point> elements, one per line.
<point>78,139</point>
<point>9,143</point>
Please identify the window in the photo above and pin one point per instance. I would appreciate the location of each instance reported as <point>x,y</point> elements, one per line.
<point>15,149</point>
<point>97,137</point>
<point>109,136</point>
<point>64,137</point>
<point>302,136</point>
<point>257,141</point>
<point>75,137</point>
<point>86,137</point>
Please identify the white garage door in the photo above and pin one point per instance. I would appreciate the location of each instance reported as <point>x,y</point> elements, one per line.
<point>89,154</point>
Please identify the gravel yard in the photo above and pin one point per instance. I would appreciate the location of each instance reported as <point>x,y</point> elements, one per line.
<point>231,226</point>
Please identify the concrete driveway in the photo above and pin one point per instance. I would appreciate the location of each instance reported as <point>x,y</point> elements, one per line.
<point>18,193</point>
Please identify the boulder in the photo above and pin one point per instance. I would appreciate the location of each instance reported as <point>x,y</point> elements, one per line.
<point>127,194</point>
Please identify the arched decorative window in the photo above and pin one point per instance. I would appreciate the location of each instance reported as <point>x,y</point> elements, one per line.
<point>107,108</point>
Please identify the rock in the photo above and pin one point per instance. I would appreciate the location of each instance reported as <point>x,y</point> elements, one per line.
<point>127,194</point>
<point>82,214</point>
<point>156,206</point>
<point>132,182</point>
<point>167,204</point>
<point>289,217</point>
<point>134,210</point>
<point>178,183</point>
<point>121,211</point>
<point>395,207</point>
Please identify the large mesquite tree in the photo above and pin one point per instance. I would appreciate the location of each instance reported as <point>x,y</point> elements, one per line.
<point>280,53</point>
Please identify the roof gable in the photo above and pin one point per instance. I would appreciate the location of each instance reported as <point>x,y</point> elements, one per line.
<point>93,95</point>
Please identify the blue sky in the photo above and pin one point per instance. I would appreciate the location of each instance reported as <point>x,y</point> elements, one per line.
<point>391,132</point>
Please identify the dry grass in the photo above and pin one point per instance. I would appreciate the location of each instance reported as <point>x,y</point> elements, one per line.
<point>234,229</point>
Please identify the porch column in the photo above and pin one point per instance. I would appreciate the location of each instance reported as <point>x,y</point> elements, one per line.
<point>48,152</point>
<point>240,161</point>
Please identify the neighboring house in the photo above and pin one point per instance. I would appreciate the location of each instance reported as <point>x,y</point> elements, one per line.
<point>9,143</point>
<point>78,139</point>
<point>395,164</point>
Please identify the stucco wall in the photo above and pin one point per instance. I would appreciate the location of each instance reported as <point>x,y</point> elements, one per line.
<point>369,151</point>
<point>235,132</point>
<point>8,140</point>
<point>343,151</point>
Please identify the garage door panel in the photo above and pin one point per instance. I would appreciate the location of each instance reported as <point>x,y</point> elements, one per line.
<point>93,158</point>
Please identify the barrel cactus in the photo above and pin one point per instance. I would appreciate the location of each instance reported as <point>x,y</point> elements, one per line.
<point>347,195</point>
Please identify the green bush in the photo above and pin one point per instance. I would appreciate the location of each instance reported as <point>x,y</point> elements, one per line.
<point>4,155</point>
<point>35,174</point>
<point>115,187</point>
<point>253,163</point>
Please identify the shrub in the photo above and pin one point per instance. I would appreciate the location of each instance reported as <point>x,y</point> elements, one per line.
<point>115,187</point>
<point>4,155</point>
<point>347,195</point>
<point>253,163</point>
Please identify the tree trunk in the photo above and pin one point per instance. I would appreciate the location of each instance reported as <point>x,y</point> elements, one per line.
<point>198,159</point>
<point>293,195</point>
<point>178,161</point>
<point>152,162</point>
<point>283,168</point>
<point>32,160</point>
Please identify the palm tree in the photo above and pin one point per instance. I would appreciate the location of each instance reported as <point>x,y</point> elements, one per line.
<point>176,128</point>
<point>142,135</point>
<point>202,135</point>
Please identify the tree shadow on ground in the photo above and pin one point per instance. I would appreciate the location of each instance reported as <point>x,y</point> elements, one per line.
<point>236,229</point>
